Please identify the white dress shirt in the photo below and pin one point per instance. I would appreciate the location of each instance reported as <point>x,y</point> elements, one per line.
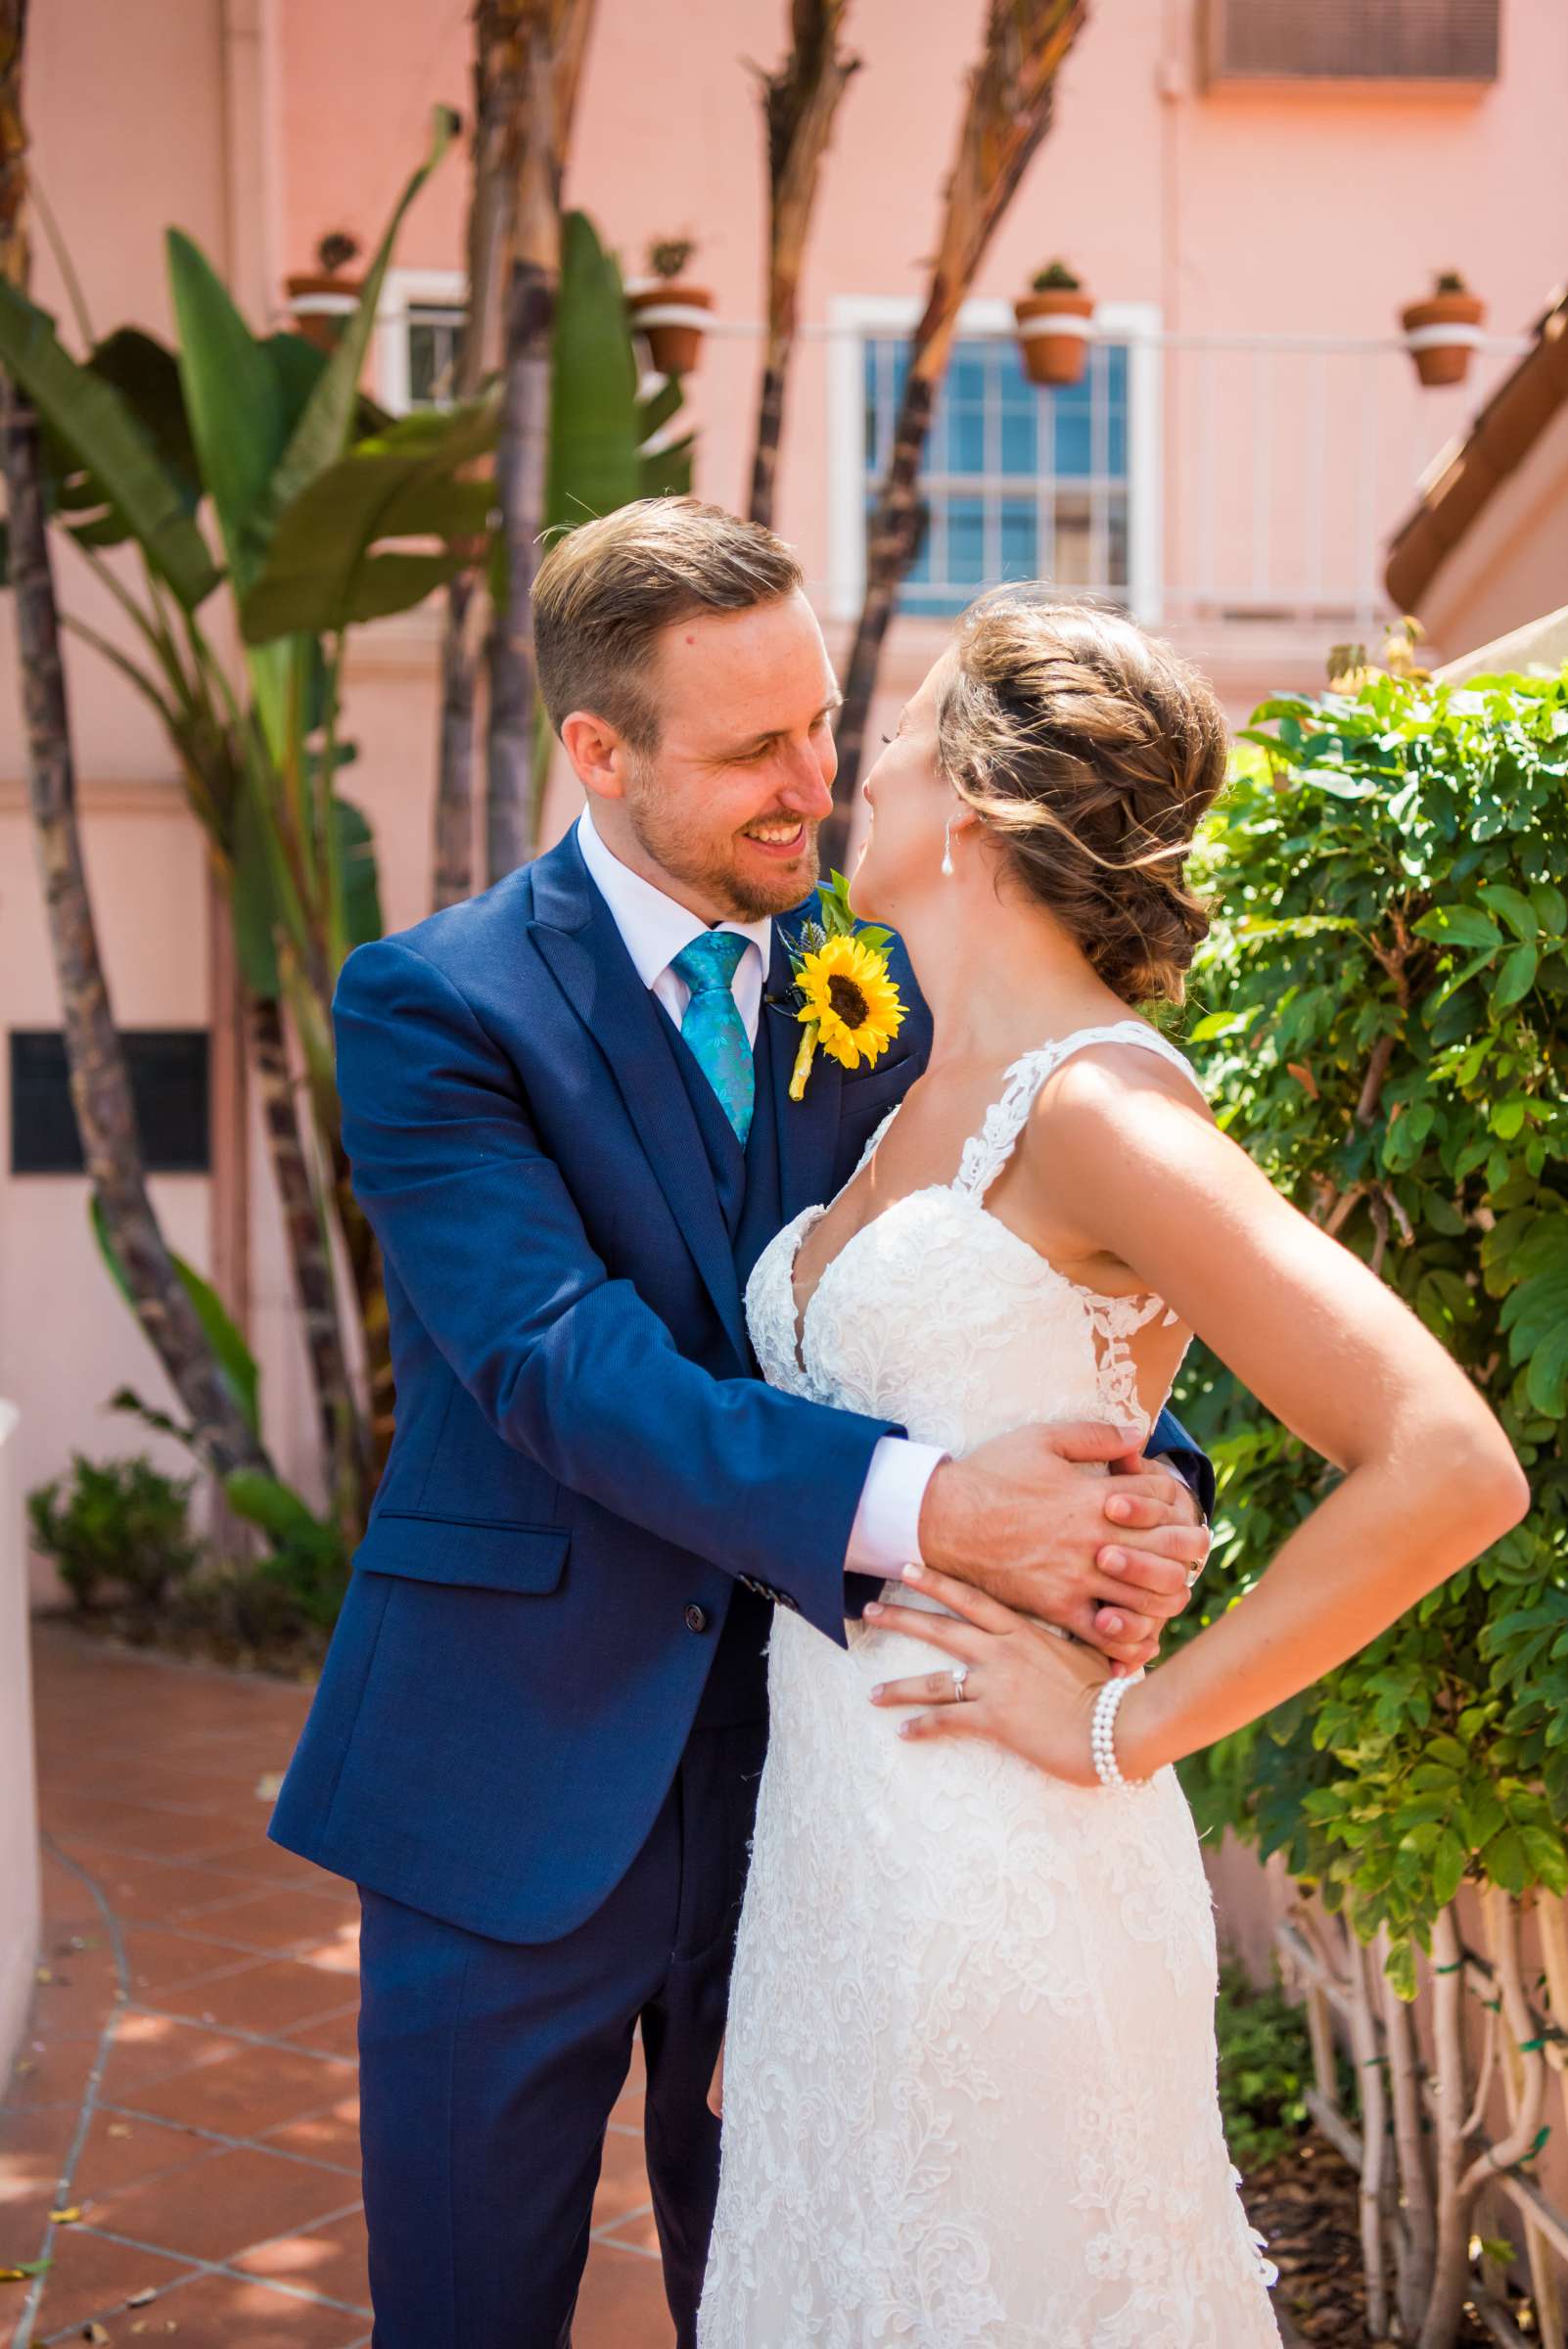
<point>655,929</point>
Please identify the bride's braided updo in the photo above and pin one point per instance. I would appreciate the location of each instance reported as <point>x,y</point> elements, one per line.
<point>1093,751</point>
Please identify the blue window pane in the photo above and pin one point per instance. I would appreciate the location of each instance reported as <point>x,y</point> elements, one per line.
<point>965,449</point>
<point>966,372</point>
<point>1075,440</point>
<point>991,421</point>
<point>966,540</point>
<point>1020,538</point>
<point>1019,438</point>
<point>1115,396</point>
<point>1013,385</point>
<point>936,602</point>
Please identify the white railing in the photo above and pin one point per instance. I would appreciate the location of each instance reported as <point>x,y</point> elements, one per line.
<point>1264,473</point>
<point>1291,459</point>
<point>1267,472</point>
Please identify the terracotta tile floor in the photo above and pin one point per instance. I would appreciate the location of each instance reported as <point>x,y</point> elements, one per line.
<point>188,2077</point>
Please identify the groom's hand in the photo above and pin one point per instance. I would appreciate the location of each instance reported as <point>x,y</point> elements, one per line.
<point>1105,1557</point>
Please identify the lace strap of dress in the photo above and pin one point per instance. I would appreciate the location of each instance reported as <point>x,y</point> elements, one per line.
<point>870,1150</point>
<point>986,1152</point>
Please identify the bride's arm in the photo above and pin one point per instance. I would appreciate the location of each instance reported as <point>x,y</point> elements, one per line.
<point>1324,1343</point>
<point>1136,1167</point>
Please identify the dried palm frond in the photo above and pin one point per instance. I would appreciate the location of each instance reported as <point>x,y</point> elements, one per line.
<point>1011,95</point>
<point>799,101</point>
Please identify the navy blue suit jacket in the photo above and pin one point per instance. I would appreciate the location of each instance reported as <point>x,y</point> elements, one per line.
<point>583,1450</point>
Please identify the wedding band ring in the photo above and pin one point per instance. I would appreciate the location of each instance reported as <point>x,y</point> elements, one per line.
<point>959,1690</point>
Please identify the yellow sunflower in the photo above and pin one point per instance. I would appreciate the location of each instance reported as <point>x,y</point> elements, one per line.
<point>852,1006</point>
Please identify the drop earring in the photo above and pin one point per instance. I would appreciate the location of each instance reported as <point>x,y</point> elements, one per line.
<point>946,851</point>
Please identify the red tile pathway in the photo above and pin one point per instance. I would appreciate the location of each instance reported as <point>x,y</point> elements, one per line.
<point>188,2080</point>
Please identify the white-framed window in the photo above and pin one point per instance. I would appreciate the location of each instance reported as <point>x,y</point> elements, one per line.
<point>418,327</point>
<point>1021,483</point>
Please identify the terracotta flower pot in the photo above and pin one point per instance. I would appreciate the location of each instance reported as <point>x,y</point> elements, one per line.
<point>1440,335</point>
<point>1053,333</point>
<point>321,304</point>
<point>671,317</point>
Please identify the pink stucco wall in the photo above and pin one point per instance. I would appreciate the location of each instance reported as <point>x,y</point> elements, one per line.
<point>1512,563</point>
<point>19,1825</point>
<point>261,124</point>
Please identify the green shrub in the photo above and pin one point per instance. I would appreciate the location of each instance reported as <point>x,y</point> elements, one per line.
<point>309,1562</point>
<point>1265,2070</point>
<point>1390,983</point>
<point>121,1523</point>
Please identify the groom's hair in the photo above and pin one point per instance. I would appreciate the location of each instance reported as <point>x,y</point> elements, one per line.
<point>606,590</point>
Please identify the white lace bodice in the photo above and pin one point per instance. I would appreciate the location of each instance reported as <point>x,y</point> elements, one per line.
<point>940,1317</point>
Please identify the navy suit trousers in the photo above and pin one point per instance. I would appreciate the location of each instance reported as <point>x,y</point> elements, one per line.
<point>488,2070</point>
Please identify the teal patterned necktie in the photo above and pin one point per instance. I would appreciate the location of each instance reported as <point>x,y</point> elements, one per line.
<point>712,1025</point>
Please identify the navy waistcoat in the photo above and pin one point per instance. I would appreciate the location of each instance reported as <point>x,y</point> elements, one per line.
<point>748,1182</point>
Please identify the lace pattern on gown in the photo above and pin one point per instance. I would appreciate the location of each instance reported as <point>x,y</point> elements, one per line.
<point>969,2094</point>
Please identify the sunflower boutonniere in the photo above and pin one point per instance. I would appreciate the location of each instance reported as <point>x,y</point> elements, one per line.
<point>847,1002</point>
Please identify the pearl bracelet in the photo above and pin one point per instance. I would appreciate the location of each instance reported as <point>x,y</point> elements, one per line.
<point>1102,1734</point>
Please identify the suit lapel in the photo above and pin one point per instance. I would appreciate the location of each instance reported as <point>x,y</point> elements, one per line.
<point>808,1129</point>
<point>576,933</point>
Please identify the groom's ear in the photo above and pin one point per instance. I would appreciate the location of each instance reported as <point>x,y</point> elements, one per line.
<point>597,752</point>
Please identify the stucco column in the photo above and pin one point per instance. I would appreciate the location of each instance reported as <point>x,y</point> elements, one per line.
<point>18,1799</point>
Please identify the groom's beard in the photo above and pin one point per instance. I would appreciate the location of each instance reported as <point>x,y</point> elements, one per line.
<point>719,870</point>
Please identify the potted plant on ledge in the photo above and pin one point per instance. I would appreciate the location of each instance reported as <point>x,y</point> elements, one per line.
<point>323,300</point>
<point>1442,332</point>
<point>670,312</point>
<point>1055,320</point>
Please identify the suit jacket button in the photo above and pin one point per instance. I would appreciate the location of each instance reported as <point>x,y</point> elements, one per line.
<point>696,1618</point>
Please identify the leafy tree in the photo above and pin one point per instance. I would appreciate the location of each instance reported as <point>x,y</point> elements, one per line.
<point>1390,991</point>
<point>1393,972</point>
<point>100,1082</point>
<point>141,445</point>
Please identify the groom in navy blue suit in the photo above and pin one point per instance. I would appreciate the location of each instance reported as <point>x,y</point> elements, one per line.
<point>540,1730</point>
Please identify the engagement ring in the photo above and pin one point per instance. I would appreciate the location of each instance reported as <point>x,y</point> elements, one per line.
<point>960,1692</point>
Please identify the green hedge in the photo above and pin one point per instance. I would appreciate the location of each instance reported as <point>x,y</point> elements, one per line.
<point>1382,1014</point>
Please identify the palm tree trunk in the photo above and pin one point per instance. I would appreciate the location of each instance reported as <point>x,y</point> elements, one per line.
<point>100,1084</point>
<point>315,1287</point>
<point>893,541</point>
<point>519,474</point>
<point>490,234</point>
<point>539,47</point>
<point>454,780</point>
<point>798,104</point>
<point>1010,111</point>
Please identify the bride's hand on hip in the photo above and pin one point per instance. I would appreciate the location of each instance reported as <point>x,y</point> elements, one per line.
<point>1009,1682</point>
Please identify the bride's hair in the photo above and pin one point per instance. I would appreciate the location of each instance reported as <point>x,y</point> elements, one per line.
<point>1093,751</point>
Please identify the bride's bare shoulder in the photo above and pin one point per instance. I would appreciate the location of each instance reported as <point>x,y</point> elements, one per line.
<point>1108,1081</point>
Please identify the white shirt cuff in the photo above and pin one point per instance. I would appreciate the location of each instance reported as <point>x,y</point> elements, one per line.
<point>886,1534</point>
<point>1172,1467</point>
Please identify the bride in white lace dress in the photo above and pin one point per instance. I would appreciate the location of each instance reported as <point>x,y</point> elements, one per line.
<point>969,2083</point>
